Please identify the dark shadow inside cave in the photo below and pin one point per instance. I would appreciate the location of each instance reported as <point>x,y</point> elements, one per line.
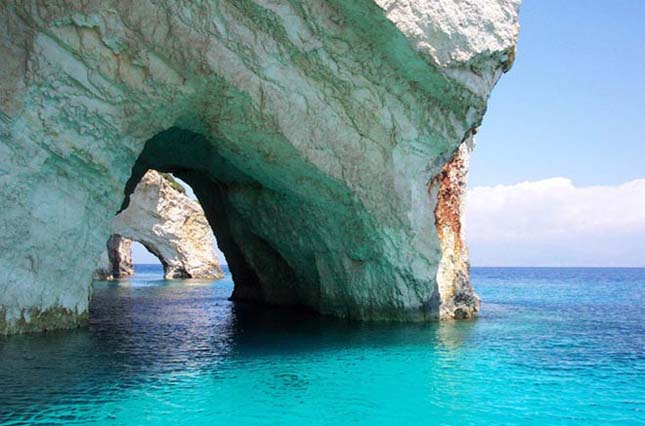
<point>193,159</point>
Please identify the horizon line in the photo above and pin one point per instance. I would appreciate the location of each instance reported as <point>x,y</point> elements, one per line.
<point>499,266</point>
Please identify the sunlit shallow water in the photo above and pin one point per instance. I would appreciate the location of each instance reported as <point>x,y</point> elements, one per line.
<point>552,346</point>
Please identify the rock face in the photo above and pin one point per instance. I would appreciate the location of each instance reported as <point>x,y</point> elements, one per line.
<point>116,261</point>
<point>320,137</point>
<point>169,224</point>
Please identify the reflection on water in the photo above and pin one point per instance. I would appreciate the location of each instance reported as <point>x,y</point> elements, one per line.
<point>160,352</point>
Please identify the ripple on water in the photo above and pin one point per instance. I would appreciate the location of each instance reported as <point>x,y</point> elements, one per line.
<point>552,346</point>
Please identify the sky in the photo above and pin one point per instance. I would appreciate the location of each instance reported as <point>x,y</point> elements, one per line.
<point>558,174</point>
<point>554,176</point>
<point>574,102</point>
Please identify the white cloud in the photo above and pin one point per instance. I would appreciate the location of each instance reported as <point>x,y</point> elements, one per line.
<point>557,223</point>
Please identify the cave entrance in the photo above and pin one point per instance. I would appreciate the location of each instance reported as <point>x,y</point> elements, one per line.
<point>292,231</point>
<point>220,188</point>
<point>164,219</point>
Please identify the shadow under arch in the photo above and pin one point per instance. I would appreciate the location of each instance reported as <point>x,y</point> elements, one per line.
<point>260,272</point>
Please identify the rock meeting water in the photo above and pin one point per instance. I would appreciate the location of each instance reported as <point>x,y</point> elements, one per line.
<point>552,346</point>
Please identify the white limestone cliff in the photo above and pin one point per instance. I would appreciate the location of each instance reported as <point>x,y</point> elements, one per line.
<point>314,134</point>
<point>169,224</point>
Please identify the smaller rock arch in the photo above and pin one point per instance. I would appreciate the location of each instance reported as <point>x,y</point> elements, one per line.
<point>169,225</point>
<point>116,262</point>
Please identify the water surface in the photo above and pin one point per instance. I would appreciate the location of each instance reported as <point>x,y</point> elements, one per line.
<point>552,346</point>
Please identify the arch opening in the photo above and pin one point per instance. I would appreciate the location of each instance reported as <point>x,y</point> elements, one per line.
<point>169,224</point>
<point>291,234</point>
<point>141,255</point>
<point>310,135</point>
<point>260,271</point>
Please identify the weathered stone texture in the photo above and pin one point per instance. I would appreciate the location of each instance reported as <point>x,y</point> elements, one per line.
<point>116,261</point>
<point>309,130</point>
<point>170,225</point>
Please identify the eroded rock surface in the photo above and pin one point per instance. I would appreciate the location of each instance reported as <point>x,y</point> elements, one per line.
<point>170,225</point>
<point>116,261</point>
<point>312,132</point>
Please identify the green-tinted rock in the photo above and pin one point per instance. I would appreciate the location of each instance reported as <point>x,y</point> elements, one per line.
<point>316,135</point>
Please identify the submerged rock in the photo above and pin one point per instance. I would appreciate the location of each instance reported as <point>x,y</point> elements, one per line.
<point>315,134</point>
<point>169,224</point>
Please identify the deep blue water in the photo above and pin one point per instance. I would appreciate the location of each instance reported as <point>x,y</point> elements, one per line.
<point>551,347</point>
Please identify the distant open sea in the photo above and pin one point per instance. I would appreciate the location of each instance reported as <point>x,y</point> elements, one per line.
<point>552,346</point>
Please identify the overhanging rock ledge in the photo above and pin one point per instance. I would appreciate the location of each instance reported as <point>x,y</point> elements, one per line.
<point>315,134</point>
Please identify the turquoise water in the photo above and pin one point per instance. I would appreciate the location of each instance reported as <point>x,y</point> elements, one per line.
<point>551,347</point>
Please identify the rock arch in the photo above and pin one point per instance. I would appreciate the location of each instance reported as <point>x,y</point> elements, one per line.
<point>169,225</point>
<point>313,134</point>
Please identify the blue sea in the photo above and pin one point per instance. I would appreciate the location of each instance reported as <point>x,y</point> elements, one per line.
<point>551,347</point>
